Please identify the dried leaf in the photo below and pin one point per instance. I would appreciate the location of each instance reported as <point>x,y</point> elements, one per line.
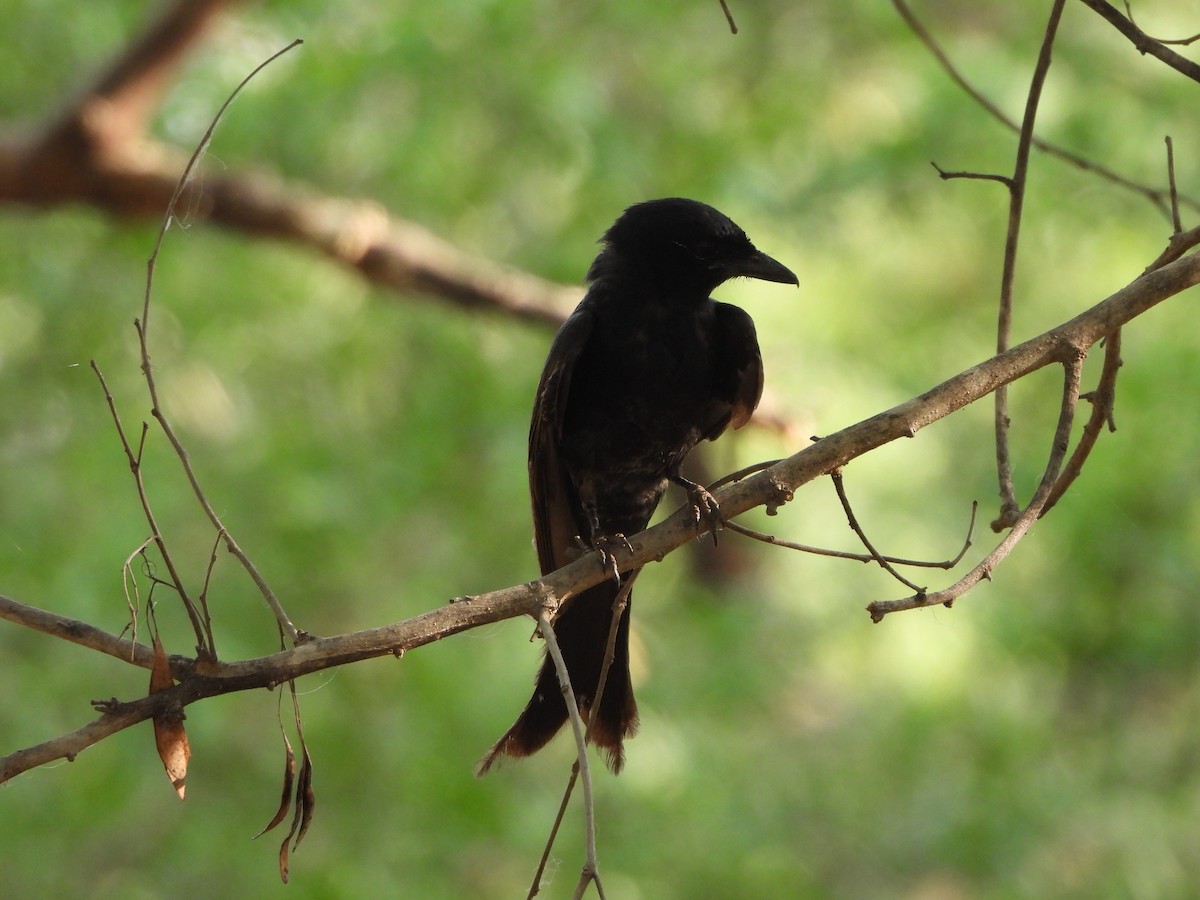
<point>283,859</point>
<point>306,802</point>
<point>306,798</point>
<point>169,734</point>
<point>289,777</point>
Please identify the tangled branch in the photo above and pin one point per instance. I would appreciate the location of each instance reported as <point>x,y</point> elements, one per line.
<point>770,487</point>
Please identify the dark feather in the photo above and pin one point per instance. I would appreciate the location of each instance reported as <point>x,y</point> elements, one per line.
<point>647,366</point>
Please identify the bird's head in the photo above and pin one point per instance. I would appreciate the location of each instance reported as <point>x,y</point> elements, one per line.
<point>685,244</point>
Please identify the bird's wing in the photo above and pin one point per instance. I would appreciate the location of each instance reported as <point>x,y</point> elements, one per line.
<point>556,508</point>
<point>740,379</point>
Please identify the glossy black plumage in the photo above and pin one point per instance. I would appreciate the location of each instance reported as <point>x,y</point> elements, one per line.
<point>645,367</point>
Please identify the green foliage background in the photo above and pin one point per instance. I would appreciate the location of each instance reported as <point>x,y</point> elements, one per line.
<point>1038,740</point>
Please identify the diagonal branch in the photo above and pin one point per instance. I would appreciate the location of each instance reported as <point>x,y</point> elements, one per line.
<point>1142,41</point>
<point>771,487</point>
<point>118,107</point>
<point>97,152</point>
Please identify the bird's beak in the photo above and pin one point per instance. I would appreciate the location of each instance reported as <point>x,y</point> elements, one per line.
<point>764,268</point>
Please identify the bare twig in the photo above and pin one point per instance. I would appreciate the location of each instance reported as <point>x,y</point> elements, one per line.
<point>1072,370</point>
<point>203,598</point>
<point>1102,398</point>
<point>1009,508</point>
<point>742,473</point>
<point>1177,41</point>
<point>590,871</point>
<point>618,609</point>
<point>1142,41</point>
<point>1175,220</point>
<point>976,176</point>
<point>852,520</point>
<point>1154,195</point>
<point>620,602</point>
<point>135,466</point>
<point>133,597</point>
<point>857,557</point>
<point>1178,245</point>
<point>729,17</point>
<point>142,327</point>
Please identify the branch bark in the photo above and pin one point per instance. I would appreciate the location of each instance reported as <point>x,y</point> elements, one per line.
<point>771,487</point>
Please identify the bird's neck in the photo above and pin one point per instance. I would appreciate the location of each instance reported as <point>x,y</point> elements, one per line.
<point>638,283</point>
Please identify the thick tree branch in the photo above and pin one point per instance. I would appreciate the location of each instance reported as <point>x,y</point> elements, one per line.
<point>76,632</point>
<point>96,152</point>
<point>389,252</point>
<point>771,487</point>
<point>117,109</point>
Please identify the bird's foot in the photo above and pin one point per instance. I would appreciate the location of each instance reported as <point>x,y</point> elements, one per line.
<point>705,508</point>
<point>605,544</point>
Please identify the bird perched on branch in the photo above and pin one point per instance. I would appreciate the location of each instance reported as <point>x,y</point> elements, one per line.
<point>645,367</point>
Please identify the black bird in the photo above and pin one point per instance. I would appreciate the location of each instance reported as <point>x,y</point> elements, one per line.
<point>646,367</point>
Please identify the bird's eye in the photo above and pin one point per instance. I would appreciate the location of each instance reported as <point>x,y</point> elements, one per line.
<point>705,249</point>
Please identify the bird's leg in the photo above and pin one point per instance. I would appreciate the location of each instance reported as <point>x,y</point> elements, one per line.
<point>603,543</point>
<point>705,507</point>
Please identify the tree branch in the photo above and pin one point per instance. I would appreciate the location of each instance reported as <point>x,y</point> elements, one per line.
<point>96,152</point>
<point>771,487</point>
<point>1157,196</point>
<point>1144,43</point>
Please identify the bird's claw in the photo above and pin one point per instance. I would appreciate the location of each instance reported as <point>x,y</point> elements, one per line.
<point>605,544</point>
<point>705,509</point>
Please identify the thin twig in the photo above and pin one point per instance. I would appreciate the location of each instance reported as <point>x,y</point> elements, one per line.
<point>742,473</point>
<point>203,598</point>
<point>729,17</point>
<point>618,609</point>
<point>1182,42</point>
<point>135,466</point>
<point>840,487</point>
<point>590,871</point>
<point>977,176</point>
<point>1073,369</point>
<point>945,564</point>
<point>1009,508</point>
<point>1178,245</point>
<point>142,327</point>
<point>1102,398</point>
<point>1142,41</point>
<point>1155,195</point>
<point>129,585</point>
<point>1175,220</point>
<point>620,602</point>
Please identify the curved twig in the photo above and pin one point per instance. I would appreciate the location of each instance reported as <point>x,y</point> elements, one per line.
<point>142,325</point>
<point>1073,369</point>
